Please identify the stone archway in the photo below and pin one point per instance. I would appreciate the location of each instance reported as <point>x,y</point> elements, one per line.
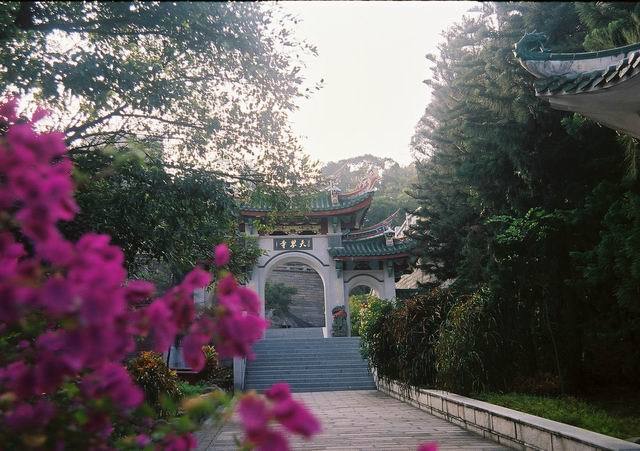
<point>372,282</point>
<point>294,296</point>
<point>325,271</point>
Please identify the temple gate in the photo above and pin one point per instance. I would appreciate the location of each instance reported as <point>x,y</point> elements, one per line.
<point>327,235</point>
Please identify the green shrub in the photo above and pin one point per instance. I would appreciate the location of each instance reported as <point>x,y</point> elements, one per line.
<point>376,345</point>
<point>158,382</point>
<point>356,304</point>
<point>467,345</point>
<point>339,325</point>
<point>190,390</point>
<point>278,297</point>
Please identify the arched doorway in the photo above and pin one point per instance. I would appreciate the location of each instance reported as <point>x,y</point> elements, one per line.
<point>294,296</point>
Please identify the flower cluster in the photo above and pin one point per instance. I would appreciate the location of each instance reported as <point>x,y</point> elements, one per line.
<point>257,415</point>
<point>68,315</point>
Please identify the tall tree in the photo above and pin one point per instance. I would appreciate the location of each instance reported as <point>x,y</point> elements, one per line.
<point>516,197</point>
<point>213,82</point>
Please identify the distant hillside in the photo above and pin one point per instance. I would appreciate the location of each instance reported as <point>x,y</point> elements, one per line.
<point>390,194</point>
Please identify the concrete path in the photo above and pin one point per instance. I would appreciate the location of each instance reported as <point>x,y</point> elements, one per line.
<point>364,420</point>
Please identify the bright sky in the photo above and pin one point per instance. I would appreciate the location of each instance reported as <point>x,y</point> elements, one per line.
<point>371,56</point>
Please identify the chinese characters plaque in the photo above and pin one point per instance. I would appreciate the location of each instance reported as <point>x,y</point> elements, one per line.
<point>286,244</point>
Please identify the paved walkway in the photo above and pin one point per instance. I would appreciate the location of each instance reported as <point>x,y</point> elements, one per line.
<point>364,420</point>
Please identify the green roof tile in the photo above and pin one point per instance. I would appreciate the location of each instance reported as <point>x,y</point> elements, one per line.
<point>319,202</point>
<point>589,81</point>
<point>371,247</point>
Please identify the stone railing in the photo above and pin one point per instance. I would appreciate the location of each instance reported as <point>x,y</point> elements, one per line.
<point>508,427</point>
<point>239,368</point>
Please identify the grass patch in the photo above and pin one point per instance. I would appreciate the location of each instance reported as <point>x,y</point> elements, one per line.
<point>576,412</point>
<point>189,390</point>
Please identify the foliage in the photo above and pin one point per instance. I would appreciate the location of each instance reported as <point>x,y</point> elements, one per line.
<point>69,318</point>
<point>214,81</point>
<point>357,304</point>
<point>214,374</point>
<point>165,221</point>
<point>467,345</point>
<point>528,213</point>
<point>278,297</point>
<point>190,390</point>
<point>399,339</point>
<point>569,410</point>
<point>150,372</point>
<point>339,325</point>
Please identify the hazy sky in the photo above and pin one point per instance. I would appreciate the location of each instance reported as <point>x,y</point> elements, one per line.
<point>371,56</point>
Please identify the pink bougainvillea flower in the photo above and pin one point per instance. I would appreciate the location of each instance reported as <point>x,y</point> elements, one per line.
<point>92,313</point>
<point>113,381</point>
<point>278,392</point>
<point>162,330</point>
<point>296,418</point>
<point>234,334</point>
<point>271,440</point>
<point>196,278</point>
<point>227,285</point>
<point>428,447</point>
<point>142,440</point>
<point>291,413</point>
<point>254,414</point>
<point>39,114</point>
<point>222,255</point>
<point>32,416</point>
<point>249,300</point>
<point>8,109</point>
<point>174,442</point>
<point>199,336</point>
<point>139,290</point>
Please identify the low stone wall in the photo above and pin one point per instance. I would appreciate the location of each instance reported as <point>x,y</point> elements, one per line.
<point>508,427</point>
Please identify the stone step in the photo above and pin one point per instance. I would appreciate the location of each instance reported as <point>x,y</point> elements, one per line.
<point>309,340</point>
<point>310,367</point>
<point>309,364</point>
<point>288,346</point>
<point>309,374</point>
<point>294,363</point>
<point>254,383</point>
<point>346,347</point>
<point>319,356</point>
<point>309,387</point>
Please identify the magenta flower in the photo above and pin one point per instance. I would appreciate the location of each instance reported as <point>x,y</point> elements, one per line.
<point>174,442</point>
<point>113,381</point>
<point>291,413</point>
<point>278,392</point>
<point>222,255</point>
<point>254,414</point>
<point>142,440</point>
<point>33,416</point>
<point>139,290</point>
<point>272,440</point>
<point>234,334</point>
<point>87,315</point>
<point>199,336</point>
<point>158,321</point>
<point>428,447</point>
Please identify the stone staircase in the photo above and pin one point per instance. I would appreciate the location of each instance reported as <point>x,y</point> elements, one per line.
<point>309,364</point>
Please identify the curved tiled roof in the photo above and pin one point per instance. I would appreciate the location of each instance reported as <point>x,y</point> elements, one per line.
<point>372,247</point>
<point>318,203</point>
<point>531,47</point>
<point>591,81</point>
<point>371,231</point>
